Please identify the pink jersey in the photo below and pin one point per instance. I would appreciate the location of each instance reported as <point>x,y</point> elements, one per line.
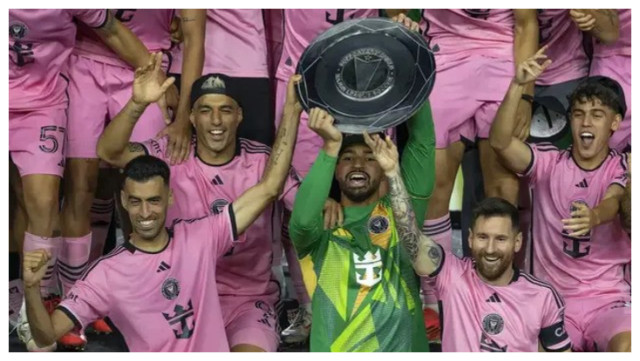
<point>40,41</point>
<point>623,45</point>
<point>302,26</point>
<point>570,61</point>
<point>460,33</point>
<point>480,317</point>
<point>591,266</point>
<point>163,301</point>
<point>151,26</point>
<point>200,189</point>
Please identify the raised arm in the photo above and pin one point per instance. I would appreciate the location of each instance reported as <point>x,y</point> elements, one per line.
<point>45,328</point>
<point>251,203</point>
<point>513,152</point>
<point>114,146</point>
<point>192,27</point>
<point>424,253</point>
<point>525,44</point>
<point>602,24</point>
<point>123,42</point>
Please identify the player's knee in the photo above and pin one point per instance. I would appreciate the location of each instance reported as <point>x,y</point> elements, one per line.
<point>41,205</point>
<point>620,343</point>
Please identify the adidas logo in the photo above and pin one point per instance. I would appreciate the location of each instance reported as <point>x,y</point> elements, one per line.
<point>582,184</point>
<point>163,267</point>
<point>217,180</point>
<point>213,82</point>
<point>494,298</point>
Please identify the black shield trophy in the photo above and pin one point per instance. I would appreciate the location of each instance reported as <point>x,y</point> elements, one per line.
<point>369,74</point>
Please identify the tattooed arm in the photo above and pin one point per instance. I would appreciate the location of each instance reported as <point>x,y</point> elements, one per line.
<point>426,256</point>
<point>113,145</point>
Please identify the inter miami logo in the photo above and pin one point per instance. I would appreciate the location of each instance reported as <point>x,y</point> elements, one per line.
<point>17,30</point>
<point>493,324</point>
<point>368,268</point>
<point>181,315</point>
<point>217,206</point>
<point>170,288</point>
<point>378,224</point>
<point>365,74</point>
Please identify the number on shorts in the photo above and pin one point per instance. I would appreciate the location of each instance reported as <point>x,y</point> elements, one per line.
<point>49,139</point>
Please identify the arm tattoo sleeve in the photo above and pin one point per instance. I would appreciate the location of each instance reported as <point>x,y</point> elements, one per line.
<point>410,236</point>
<point>136,147</point>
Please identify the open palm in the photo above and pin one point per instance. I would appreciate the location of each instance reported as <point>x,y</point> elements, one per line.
<point>149,82</point>
<point>384,150</point>
<point>530,69</point>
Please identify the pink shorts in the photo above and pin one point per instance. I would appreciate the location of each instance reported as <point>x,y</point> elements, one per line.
<point>251,320</point>
<point>591,324</point>
<point>617,67</point>
<point>466,96</point>
<point>37,141</point>
<point>97,93</point>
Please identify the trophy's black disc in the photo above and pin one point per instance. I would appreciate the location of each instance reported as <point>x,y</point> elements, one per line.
<point>370,74</point>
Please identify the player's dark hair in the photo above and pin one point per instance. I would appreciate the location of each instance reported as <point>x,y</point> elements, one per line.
<point>496,207</point>
<point>145,167</point>
<point>603,88</point>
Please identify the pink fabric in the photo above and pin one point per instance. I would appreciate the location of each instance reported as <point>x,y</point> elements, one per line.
<point>591,323</point>
<point>73,260</point>
<point>251,320</point>
<point>101,215</point>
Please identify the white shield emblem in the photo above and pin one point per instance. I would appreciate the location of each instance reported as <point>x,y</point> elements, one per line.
<point>372,266</point>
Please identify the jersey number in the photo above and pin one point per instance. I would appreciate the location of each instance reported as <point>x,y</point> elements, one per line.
<point>49,139</point>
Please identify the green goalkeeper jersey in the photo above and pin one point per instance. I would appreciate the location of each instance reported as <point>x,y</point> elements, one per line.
<point>365,294</point>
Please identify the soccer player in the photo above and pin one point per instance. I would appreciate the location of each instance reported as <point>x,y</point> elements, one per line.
<point>221,169</point>
<point>365,296</point>
<point>613,59</point>
<point>146,197</point>
<point>40,42</point>
<point>578,243</point>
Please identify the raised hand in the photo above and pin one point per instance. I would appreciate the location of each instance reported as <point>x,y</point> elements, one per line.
<point>150,83</point>
<point>582,220</point>
<point>530,69</point>
<point>407,22</point>
<point>333,215</point>
<point>385,152</point>
<point>34,266</point>
<point>292,96</point>
<point>321,122</point>
<point>584,20</point>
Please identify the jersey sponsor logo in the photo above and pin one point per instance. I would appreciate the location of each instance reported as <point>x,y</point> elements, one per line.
<point>378,224</point>
<point>580,246</point>
<point>582,184</point>
<point>493,324</point>
<point>487,344</point>
<point>217,181</point>
<point>494,298</point>
<point>338,18</point>
<point>268,313</point>
<point>163,267</point>
<point>181,315</point>
<point>217,206</point>
<point>170,288</point>
<point>478,13</point>
<point>20,52</point>
<point>368,268</point>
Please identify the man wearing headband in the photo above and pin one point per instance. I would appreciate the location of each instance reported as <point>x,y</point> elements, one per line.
<point>365,295</point>
<point>221,168</point>
<point>579,245</point>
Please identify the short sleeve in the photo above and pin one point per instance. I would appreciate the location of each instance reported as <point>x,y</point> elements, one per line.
<point>543,157</point>
<point>218,229</point>
<point>95,18</point>
<point>553,335</point>
<point>451,268</point>
<point>291,186</point>
<point>88,299</point>
<point>620,171</point>
<point>156,147</point>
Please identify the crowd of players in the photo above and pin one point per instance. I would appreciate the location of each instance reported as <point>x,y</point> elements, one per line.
<point>198,110</point>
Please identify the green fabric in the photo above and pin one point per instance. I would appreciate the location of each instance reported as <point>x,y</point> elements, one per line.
<point>367,295</point>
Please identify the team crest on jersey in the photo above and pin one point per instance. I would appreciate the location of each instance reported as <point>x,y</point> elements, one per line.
<point>216,206</point>
<point>378,224</point>
<point>214,82</point>
<point>493,323</point>
<point>17,30</point>
<point>368,268</point>
<point>170,288</point>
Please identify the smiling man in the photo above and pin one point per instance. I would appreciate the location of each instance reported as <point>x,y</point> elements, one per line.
<point>579,245</point>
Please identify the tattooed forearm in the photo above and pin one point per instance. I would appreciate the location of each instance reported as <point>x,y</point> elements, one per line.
<point>280,159</point>
<point>425,255</point>
<point>135,147</point>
